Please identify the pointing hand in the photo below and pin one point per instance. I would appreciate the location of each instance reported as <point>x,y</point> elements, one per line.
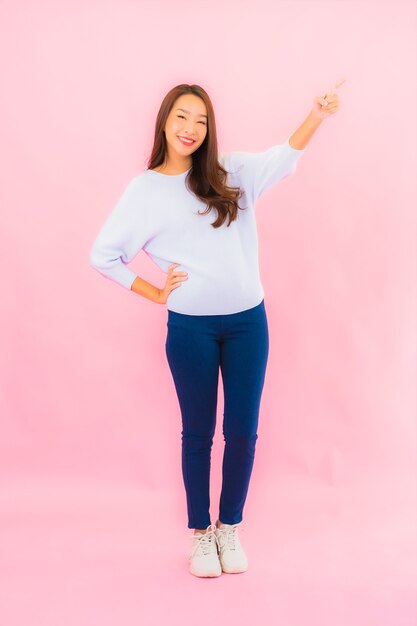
<point>329,103</point>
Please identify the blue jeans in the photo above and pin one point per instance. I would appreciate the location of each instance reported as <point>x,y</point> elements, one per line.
<point>196,346</point>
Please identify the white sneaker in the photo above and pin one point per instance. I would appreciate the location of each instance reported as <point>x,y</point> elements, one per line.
<point>233,558</point>
<point>204,557</point>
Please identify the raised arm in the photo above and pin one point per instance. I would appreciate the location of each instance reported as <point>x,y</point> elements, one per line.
<point>258,171</point>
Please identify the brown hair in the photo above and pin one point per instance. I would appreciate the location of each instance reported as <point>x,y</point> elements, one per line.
<point>206,178</point>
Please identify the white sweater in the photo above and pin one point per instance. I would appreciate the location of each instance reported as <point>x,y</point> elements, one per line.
<point>157,213</point>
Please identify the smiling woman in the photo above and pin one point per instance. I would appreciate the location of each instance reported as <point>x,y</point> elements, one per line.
<point>216,312</point>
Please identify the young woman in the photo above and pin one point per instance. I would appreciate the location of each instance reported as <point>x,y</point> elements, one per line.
<point>192,212</point>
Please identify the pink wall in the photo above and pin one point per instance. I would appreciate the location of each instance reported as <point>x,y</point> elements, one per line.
<point>90,422</point>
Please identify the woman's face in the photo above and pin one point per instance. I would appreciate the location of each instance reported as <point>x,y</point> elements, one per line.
<point>186,120</point>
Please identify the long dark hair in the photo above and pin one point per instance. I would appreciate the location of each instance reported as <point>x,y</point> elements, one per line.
<point>206,178</point>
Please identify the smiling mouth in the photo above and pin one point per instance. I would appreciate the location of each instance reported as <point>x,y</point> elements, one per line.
<point>186,142</point>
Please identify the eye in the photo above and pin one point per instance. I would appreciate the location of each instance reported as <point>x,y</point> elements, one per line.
<point>184,119</point>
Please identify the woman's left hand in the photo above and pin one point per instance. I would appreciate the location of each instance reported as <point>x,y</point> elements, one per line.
<point>328,104</point>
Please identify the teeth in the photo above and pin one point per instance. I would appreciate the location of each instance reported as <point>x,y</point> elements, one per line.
<point>186,140</point>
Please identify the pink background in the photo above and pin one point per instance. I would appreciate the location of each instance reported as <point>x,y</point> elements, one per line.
<point>92,504</point>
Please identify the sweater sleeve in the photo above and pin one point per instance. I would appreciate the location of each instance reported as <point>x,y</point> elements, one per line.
<point>121,237</point>
<point>258,171</point>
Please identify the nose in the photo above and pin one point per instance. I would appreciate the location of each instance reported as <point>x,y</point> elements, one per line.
<point>189,130</point>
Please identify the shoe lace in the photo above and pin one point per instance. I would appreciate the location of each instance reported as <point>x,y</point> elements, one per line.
<point>230,535</point>
<point>204,543</point>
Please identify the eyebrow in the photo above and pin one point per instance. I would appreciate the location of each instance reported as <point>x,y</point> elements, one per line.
<point>199,115</point>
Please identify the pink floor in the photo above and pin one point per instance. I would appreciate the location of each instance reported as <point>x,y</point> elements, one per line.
<point>86,554</point>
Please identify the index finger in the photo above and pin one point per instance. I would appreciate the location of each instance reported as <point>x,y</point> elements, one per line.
<point>336,85</point>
